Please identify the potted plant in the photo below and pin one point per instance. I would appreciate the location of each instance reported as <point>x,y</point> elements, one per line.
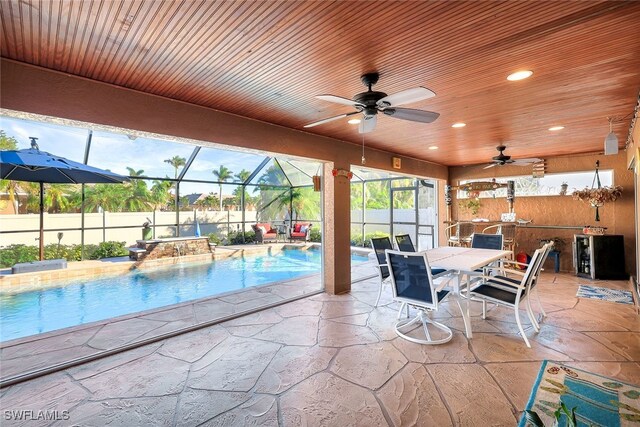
<point>558,243</point>
<point>563,188</point>
<point>472,205</point>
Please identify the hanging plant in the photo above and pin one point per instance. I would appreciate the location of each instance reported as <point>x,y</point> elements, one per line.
<point>598,196</point>
<point>472,205</point>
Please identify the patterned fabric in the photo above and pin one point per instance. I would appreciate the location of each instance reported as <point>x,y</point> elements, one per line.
<point>598,401</point>
<point>605,294</point>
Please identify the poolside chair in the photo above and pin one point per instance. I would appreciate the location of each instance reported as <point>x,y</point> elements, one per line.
<point>404,243</point>
<point>459,234</point>
<point>509,291</point>
<point>413,284</point>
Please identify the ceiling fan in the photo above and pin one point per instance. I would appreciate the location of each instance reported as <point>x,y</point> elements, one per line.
<point>503,159</point>
<point>369,103</point>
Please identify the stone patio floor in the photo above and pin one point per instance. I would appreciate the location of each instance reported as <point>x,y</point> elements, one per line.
<point>336,361</point>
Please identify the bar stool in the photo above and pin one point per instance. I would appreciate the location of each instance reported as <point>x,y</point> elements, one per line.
<point>459,234</point>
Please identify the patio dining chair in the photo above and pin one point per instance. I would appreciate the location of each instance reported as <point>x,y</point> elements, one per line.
<point>413,284</point>
<point>508,231</point>
<point>508,291</point>
<point>404,243</point>
<point>459,234</point>
<point>379,245</point>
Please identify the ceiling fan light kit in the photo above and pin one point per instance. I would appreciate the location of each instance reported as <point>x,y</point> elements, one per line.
<point>371,102</point>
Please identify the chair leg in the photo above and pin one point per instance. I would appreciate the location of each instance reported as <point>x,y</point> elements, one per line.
<point>484,309</point>
<point>544,314</point>
<point>422,317</point>
<point>402,307</point>
<point>379,292</point>
<point>526,340</point>
<point>532,316</point>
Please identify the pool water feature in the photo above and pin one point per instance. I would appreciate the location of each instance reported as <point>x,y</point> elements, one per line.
<point>79,302</point>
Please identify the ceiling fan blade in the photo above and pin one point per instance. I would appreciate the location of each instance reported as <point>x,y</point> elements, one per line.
<point>527,161</point>
<point>412,115</point>
<point>490,166</point>
<point>339,100</point>
<point>368,124</point>
<point>406,97</point>
<point>330,119</point>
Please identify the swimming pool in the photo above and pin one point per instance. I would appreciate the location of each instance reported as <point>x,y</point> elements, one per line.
<point>79,302</point>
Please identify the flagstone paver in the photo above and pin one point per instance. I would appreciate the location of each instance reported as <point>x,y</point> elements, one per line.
<point>325,399</point>
<point>369,365</point>
<point>411,398</point>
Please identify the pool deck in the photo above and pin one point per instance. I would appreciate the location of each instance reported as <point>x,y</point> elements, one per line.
<point>23,355</point>
<point>336,360</point>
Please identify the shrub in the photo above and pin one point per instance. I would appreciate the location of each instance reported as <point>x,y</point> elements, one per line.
<point>15,254</point>
<point>315,235</point>
<point>366,242</point>
<point>109,250</point>
<point>214,238</point>
<point>235,238</point>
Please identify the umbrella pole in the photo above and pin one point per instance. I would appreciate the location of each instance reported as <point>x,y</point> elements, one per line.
<point>41,221</point>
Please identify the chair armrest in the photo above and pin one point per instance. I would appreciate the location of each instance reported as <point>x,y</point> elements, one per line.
<point>501,281</point>
<point>515,263</point>
<point>503,270</point>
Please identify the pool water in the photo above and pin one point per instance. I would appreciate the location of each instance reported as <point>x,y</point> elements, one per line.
<point>79,302</point>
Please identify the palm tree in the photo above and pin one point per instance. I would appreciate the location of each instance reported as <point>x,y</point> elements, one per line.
<point>11,187</point>
<point>56,197</point>
<point>108,197</point>
<point>242,176</point>
<point>176,162</point>
<point>138,197</point>
<point>223,174</point>
<point>208,202</point>
<point>160,194</point>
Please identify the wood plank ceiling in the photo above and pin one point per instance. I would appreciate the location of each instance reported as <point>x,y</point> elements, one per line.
<point>267,60</point>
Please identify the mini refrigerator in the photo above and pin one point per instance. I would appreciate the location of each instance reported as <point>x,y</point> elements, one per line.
<point>599,257</point>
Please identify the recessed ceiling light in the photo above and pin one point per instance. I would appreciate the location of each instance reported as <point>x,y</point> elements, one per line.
<point>556,128</point>
<point>353,121</point>
<point>458,125</point>
<point>433,147</point>
<point>519,75</point>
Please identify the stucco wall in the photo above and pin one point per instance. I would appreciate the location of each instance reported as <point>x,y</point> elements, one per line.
<point>618,217</point>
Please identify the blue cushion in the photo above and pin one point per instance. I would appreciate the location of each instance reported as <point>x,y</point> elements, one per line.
<point>303,229</point>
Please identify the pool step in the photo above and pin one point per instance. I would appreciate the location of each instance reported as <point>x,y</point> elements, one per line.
<point>136,253</point>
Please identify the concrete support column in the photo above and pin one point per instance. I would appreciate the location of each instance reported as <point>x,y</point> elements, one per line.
<point>336,239</point>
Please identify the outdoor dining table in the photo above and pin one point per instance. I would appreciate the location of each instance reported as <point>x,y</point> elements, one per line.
<point>463,261</point>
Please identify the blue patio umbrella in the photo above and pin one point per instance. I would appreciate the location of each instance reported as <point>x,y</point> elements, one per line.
<point>33,165</point>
